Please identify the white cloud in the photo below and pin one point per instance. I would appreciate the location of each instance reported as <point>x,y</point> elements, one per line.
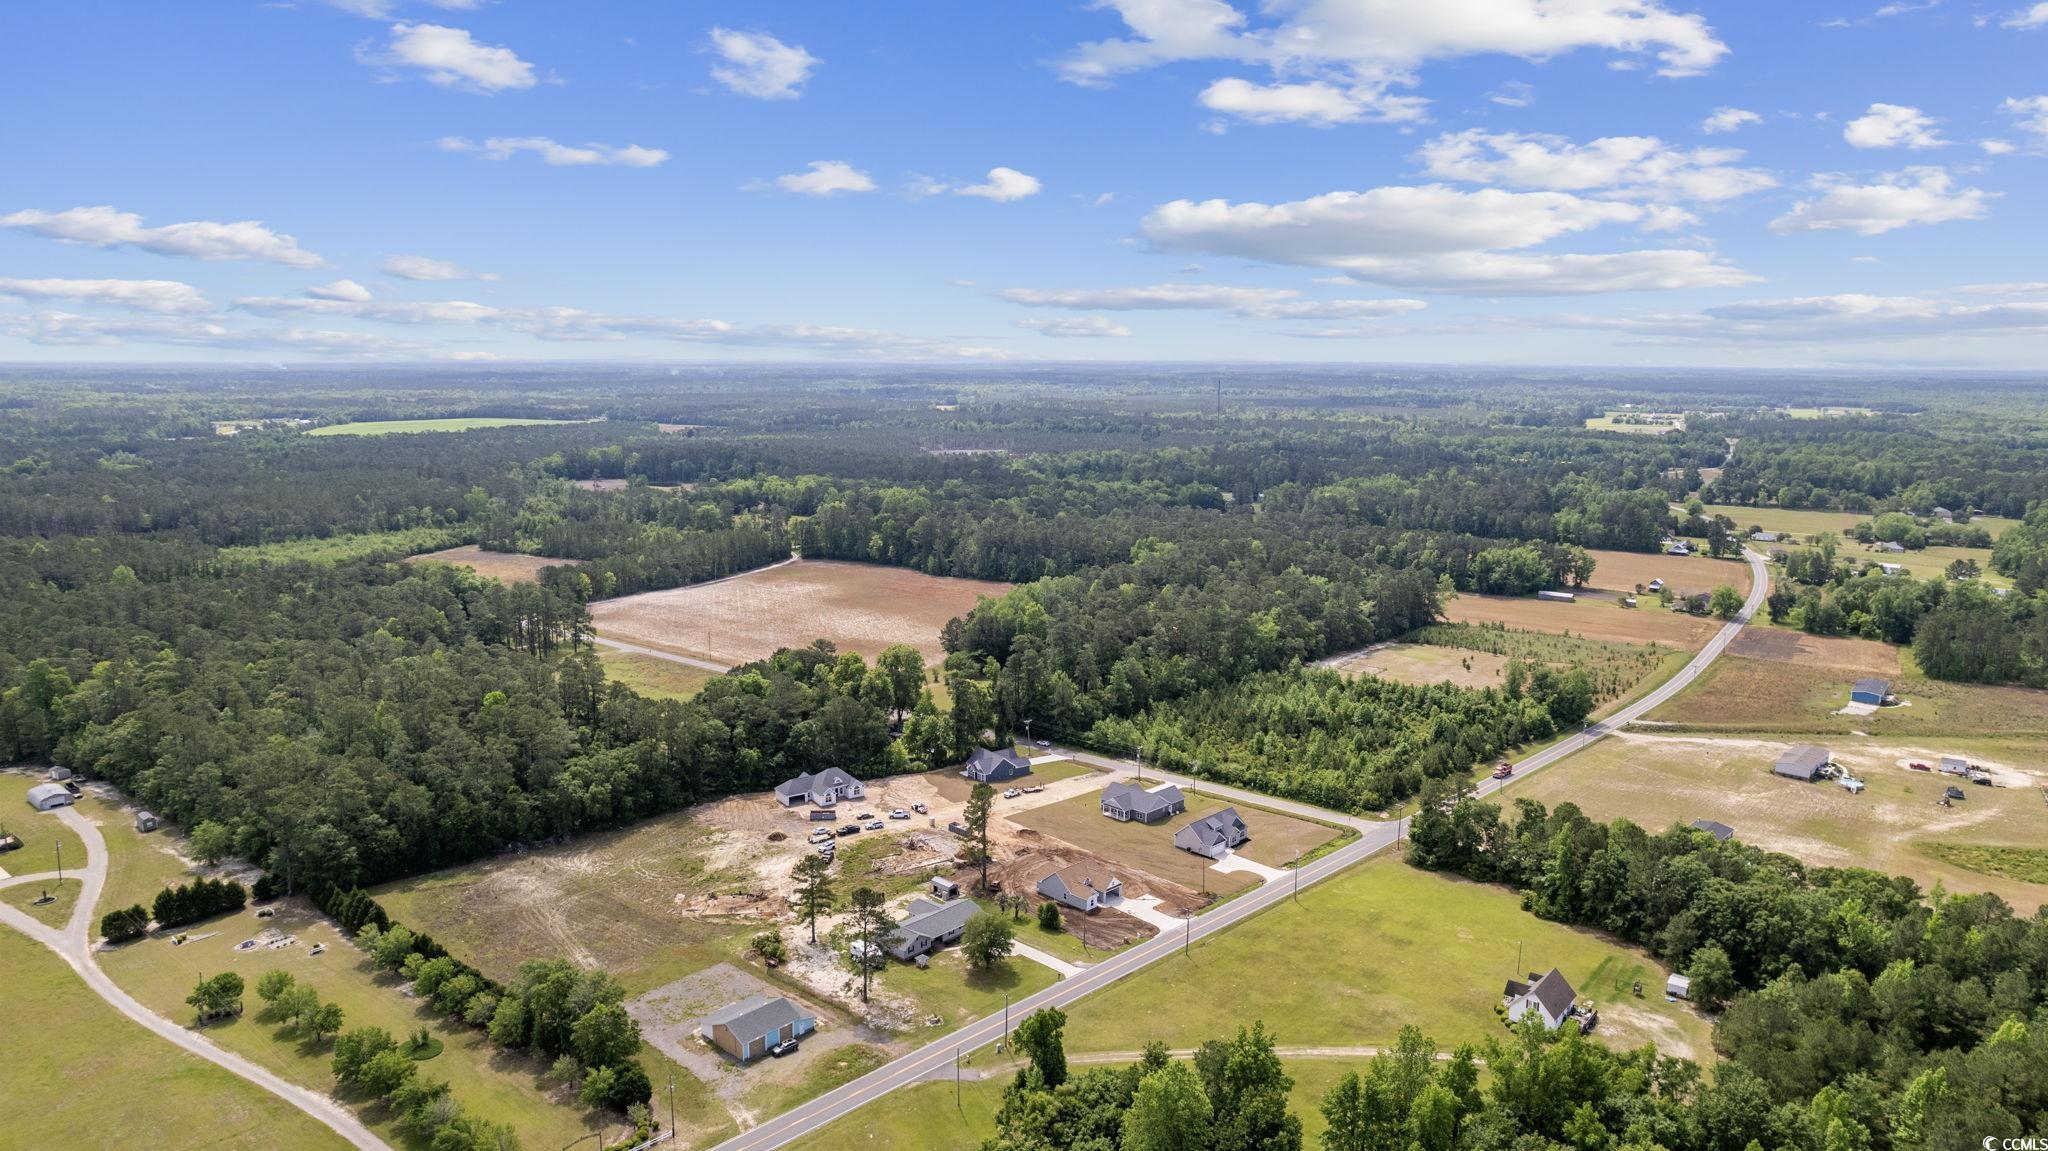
<point>347,290</point>
<point>71,329</point>
<point>1317,103</point>
<point>452,58</point>
<point>387,311</point>
<point>758,65</point>
<point>104,227</point>
<point>2008,288</point>
<point>1251,303</point>
<point>1848,316</point>
<point>2025,18</point>
<point>1513,94</point>
<point>1724,119</point>
<point>2030,114</point>
<point>1003,184</point>
<point>1896,200</point>
<point>826,178</point>
<point>1438,238</point>
<point>428,268</point>
<point>1630,166</point>
<point>383,9</point>
<point>557,154</point>
<point>1893,126</point>
<point>1998,147</point>
<point>1331,61</point>
<point>1076,327</point>
<point>141,295</point>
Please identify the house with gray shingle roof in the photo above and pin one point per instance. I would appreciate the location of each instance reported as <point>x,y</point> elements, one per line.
<point>747,1029</point>
<point>1127,801</point>
<point>1870,691</point>
<point>1213,835</point>
<point>1715,828</point>
<point>823,788</point>
<point>1082,886</point>
<point>1549,996</point>
<point>986,766</point>
<point>1802,762</point>
<point>931,926</point>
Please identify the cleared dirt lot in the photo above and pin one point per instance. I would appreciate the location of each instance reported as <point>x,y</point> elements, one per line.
<point>506,566</point>
<point>1420,663</point>
<point>859,607</point>
<point>1783,645</point>
<point>1620,572</point>
<point>1591,617</point>
<point>1659,780</point>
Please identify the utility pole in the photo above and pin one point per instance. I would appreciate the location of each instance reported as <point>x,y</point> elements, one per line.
<point>1297,875</point>
<point>1187,940</point>
<point>1006,1015</point>
<point>672,1110</point>
<point>60,861</point>
<point>956,1078</point>
<point>1141,763</point>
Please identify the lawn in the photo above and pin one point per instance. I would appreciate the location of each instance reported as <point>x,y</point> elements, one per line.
<point>1660,780</point>
<point>1805,524</point>
<point>450,424</point>
<point>949,783</point>
<point>1143,848</point>
<point>76,1066</point>
<point>138,865</point>
<point>57,912</point>
<point>334,549</point>
<point>1618,670</point>
<point>836,1068</point>
<point>1378,947</point>
<point>653,676</point>
<point>483,1077</point>
<point>949,990</point>
<point>1744,694</point>
<point>1064,944</point>
<point>1640,423</point>
<point>40,832</point>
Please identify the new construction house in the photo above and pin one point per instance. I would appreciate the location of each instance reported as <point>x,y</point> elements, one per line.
<point>823,788</point>
<point>1081,886</point>
<point>1213,835</point>
<point>1127,801</point>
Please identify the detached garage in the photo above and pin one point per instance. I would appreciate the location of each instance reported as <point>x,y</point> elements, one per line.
<point>46,796</point>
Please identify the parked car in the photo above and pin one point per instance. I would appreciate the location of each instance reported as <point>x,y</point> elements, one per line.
<point>920,808</point>
<point>873,825</point>
<point>1919,767</point>
<point>821,835</point>
<point>1954,793</point>
<point>865,816</point>
<point>1034,789</point>
<point>899,813</point>
<point>1046,743</point>
<point>1506,770</point>
<point>850,829</point>
<point>786,1047</point>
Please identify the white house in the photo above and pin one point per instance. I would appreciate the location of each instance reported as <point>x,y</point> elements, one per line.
<point>1081,886</point>
<point>1549,996</point>
<point>823,788</point>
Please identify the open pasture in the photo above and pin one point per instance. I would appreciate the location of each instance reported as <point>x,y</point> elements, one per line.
<point>1658,780</point>
<point>450,424</point>
<point>1590,617</point>
<point>1640,423</point>
<point>1421,663</point>
<point>1745,693</point>
<point>859,607</point>
<point>508,567</point>
<point>1622,572</point>
<point>653,676</point>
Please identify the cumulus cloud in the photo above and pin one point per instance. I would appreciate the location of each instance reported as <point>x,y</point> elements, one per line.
<point>1002,184</point>
<point>452,58</point>
<point>428,268</point>
<point>347,290</point>
<point>758,65</point>
<point>1896,200</point>
<point>824,178</point>
<point>1438,238</point>
<point>1076,327</point>
<point>105,227</point>
<point>72,329</point>
<point>139,295</point>
<point>1893,126</point>
<point>1317,103</point>
<point>2027,18</point>
<point>557,154</point>
<point>1996,147</point>
<point>1637,167</point>
<point>1333,61</point>
<point>1513,94</point>
<point>1723,120</point>
<point>386,311</point>
<point>2007,288</point>
<point>1251,303</point>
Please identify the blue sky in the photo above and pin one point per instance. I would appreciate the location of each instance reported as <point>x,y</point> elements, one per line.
<point>1831,183</point>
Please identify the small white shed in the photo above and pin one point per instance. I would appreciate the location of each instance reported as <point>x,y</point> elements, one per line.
<point>1678,987</point>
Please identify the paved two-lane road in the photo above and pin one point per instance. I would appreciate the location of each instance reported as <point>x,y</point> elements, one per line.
<point>1374,837</point>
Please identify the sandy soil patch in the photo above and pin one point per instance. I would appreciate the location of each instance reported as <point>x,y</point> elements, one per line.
<point>602,485</point>
<point>506,566</point>
<point>1857,655</point>
<point>1589,617</point>
<point>859,607</point>
<point>1423,664</point>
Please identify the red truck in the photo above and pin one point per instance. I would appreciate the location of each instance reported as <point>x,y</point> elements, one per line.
<point>1504,771</point>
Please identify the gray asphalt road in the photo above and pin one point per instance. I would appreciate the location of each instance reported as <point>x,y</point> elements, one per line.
<point>935,1057</point>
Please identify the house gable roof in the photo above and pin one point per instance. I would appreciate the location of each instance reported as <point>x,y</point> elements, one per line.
<point>756,1017</point>
<point>1879,687</point>
<point>932,920</point>
<point>1715,828</point>
<point>1131,797</point>
<point>984,760</point>
<point>810,782</point>
<point>1083,877</point>
<point>1216,827</point>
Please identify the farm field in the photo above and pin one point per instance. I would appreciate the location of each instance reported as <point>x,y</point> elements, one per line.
<point>653,676</point>
<point>451,424</point>
<point>510,567</point>
<point>1590,617</point>
<point>1657,780</point>
<point>1744,693</point>
<point>1932,563</point>
<point>859,607</point>
<point>335,549</point>
<point>1618,670</point>
<point>1665,422</point>
<point>90,1070</point>
<point>504,1086</point>
<point>1377,947</point>
<point>1621,572</point>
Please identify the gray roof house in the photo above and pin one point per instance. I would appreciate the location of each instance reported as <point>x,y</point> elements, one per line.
<point>1549,996</point>
<point>986,766</point>
<point>1081,886</point>
<point>1871,691</point>
<point>1892,546</point>
<point>1715,828</point>
<point>1127,801</point>
<point>1213,835</point>
<point>1802,762</point>
<point>931,926</point>
<point>747,1029</point>
<point>823,788</point>
<point>1945,515</point>
<point>1763,537</point>
<point>44,796</point>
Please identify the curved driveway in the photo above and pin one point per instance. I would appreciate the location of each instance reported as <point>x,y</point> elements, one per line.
<point>73,944</point>
<point>1374,837</point>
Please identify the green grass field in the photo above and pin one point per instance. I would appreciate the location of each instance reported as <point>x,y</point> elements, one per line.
<point>2026,864</point>
<point>1378,947</point>
<point>957,996</point>
<point>1805,523</point>
<point>335,549</point>
<point>1741,694</point>
<point>451,424</point>
<point>75,1073</point>
<point>653,676</point>
<point>40,832</point>
<point>56,913</point>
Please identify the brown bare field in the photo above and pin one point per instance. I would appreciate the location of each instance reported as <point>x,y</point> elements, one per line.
<point>509,567</point>
<point>1658,780</point>
<point>1866,656</point>
<point>1752,695</point>
<point>602,485</point>
<point>1589,617</point>
<point>1620,572</point>
<point>1149,850</point>
<point>1420,663</point>
<point>859,607</point>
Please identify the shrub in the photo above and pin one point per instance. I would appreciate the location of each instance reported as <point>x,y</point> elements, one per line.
<point>197,900</point>
<point>1049,916</point>
<point>125,924</point>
